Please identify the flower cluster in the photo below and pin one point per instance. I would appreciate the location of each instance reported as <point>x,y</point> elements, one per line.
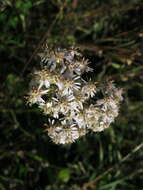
<point>71,103</point>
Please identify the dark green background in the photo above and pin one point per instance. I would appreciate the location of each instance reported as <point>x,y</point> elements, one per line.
<point>110,34</point>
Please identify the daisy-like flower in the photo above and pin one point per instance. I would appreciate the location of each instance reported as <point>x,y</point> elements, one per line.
<point>43,77</point>
<point>104,121</point>
<point>35,96</point>
<point>89,90</point>
<point>99,126</point>
<point>92,116</point>
<point>77,103</point>
<point>50,56</point>
<point>67,86</point>
<point>82,66</point>
<point>74,52</point>
<point>80,119</point>
<point>61,105</point>
<point>59,55</point>
<point>63,134</point>
<point>61,93</point>
<point>113,92</point>
<point>107,119</point>
<point>118,94</point>
<point>47,108</point>
<point>108,104</point>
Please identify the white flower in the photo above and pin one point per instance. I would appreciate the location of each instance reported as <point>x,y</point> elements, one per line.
<point>108,104</point>
<point>62,134</point>
<point>68,86</point>
<point>45,83</point>
<point>107,119</point>
<point>67,96</point>
<point>43,78</point>
<point>80,119</point>
<point>82,66</point>
<point>47,108</point>
<point>89,90</point>
<point>98,127</point>
<point>92,116</point>
<point>35,96</point>
<point>118,94</point>
<point>61,105</point>
<point>63,69</point>
<point>60,85</point>
<point>76,105</point>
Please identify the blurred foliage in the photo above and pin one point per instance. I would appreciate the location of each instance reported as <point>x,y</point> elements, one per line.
<point>111,35</point>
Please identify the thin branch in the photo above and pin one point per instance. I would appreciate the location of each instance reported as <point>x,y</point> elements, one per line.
<point>92,183</point>
<point>39,45</point>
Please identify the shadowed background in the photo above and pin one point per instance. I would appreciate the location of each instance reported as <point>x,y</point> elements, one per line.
<point>110,34</point>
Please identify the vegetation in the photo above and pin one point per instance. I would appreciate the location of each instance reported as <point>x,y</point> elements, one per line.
<point>110,35</point>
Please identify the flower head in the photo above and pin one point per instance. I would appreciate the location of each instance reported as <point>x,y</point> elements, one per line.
<point>61,93</point>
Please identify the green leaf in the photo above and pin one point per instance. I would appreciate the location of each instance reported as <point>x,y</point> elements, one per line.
<point>13,21</point>
<point>38,2</point>
<point>116,66</point>
<point>64,175</point>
